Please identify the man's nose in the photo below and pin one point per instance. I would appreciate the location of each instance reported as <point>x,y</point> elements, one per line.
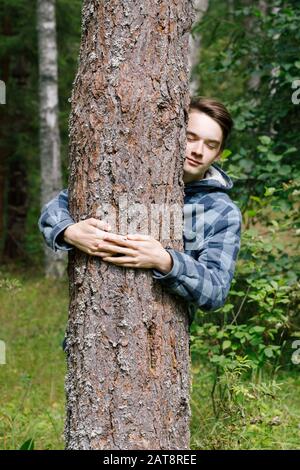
<point>198,149</point>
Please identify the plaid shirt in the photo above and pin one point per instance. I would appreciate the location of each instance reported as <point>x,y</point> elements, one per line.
<point>202,276</point>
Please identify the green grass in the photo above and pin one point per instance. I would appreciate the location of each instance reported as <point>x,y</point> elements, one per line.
<point>33,320</point>
<point>260,421</point>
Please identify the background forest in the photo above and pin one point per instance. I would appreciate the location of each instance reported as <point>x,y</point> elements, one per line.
<point>245,355</point>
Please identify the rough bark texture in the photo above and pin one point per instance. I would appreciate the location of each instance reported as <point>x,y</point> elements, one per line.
<point>51,180</point>
<point>128,378</point>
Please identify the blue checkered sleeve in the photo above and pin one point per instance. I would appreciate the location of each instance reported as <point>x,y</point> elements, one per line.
<point>54,219</point>
<point>204,282</point>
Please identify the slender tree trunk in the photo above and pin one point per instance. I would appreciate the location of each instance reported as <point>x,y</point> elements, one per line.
<point>128,376</point>
<point>254,80</point>
<point>200,7</point>
<point>51,180</point>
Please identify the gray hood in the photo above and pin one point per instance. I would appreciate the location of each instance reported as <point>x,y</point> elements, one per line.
<point>215,179</point>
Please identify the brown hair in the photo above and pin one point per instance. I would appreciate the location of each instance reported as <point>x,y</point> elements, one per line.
<point>216,111</point>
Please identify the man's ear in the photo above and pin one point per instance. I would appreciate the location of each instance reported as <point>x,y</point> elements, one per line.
<point>218,157</point>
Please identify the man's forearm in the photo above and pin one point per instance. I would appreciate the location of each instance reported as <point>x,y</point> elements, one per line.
<point>65,237</point>
<point>165,263</point>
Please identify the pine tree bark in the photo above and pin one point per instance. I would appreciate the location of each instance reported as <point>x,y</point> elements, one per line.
<point>128,379</point>
<point>51,178</point>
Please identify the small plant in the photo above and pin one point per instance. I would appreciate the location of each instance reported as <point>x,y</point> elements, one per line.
<point>27,445</point>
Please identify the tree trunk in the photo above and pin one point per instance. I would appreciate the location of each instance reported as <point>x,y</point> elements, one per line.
<point>128,378</point>
<point>200,7</point>
<point>51,180</point>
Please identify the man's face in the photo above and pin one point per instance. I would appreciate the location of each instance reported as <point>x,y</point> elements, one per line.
<point>204,139</point>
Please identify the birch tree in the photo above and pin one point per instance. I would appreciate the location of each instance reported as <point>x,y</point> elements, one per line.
<point>200,7</point>
<point>128,379</point>
<point>51,179</point>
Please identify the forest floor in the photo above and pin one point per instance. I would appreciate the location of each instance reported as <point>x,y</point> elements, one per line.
<point>33,319</point>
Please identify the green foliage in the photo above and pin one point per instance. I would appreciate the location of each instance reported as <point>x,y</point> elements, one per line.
<point>249,59</point>
<point>27,445</point>
<point>20,128</point>
<point>9,284</point>
<point>246,414</point>
<point>259,316</point>
<point>252,336</point>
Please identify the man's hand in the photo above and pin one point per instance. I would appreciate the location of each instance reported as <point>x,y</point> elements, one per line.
<point>86,234</point>
<point>138,251</point>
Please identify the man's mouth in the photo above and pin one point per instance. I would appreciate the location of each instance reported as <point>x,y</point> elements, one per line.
<point>193,162</point>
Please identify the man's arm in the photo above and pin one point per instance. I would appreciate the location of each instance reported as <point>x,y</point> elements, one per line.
<point>62,233</point>
<point>206,281</point>
<point>54,219</point>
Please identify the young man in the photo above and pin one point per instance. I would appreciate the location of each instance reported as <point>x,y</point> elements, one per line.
<point>202,276</point>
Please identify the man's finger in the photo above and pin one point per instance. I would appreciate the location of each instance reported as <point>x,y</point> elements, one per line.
<point>120,261</point>
<point>119,239</point>
<point>101,224</point>
<point>116,249</point>
<point>138,236</point>
<point>101,254</point>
